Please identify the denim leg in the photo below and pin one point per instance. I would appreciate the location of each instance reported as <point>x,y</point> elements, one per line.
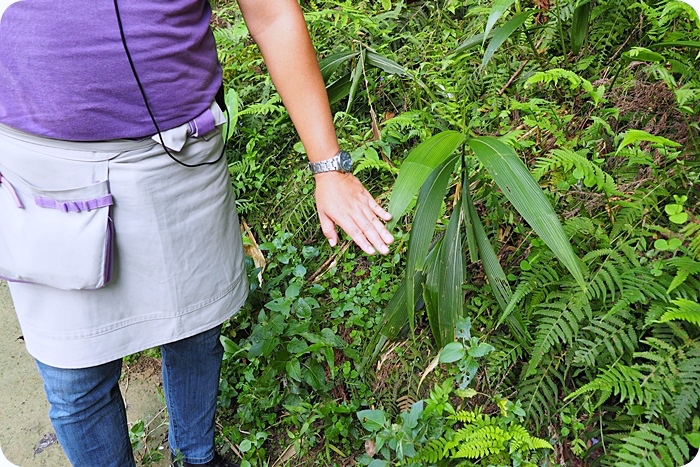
<point>191,383</point>
<point>87,411</point>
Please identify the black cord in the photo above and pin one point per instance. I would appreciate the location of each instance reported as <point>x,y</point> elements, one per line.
<point>148,107</point>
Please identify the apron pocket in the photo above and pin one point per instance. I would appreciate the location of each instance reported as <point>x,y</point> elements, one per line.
<point>58,238</point>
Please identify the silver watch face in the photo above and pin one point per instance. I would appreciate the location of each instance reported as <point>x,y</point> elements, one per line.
<point>345,161</point>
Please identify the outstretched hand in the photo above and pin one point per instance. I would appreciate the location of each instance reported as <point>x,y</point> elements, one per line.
<point>342,200</point>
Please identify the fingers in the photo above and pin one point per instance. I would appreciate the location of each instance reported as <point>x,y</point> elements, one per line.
<point>328,229</point>
<point>343,201</point>
<point>379,211</point>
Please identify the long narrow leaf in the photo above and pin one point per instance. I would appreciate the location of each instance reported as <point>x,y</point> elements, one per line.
<point>395,315</point>
<point>521,189</point>
<point>499,7</point>
<point>691,44</point>
<point>473,41</point>
<point>431,289</point>
<point>428,207</point>
<point>331,63</point>
<point>445,295</point>
<point>380,61</point>
<point>492,267</point>
<point>503,34</point>
<point>467,205</point>
<point>356,75</point>
<point>579,26</point>
<point>416,168</point>
<point>339,89</point>
<point>498,280</point>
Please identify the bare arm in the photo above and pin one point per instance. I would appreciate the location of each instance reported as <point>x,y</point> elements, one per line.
<point>279,29</point>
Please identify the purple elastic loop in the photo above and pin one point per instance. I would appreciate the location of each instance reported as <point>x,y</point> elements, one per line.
<point>74,206</point>
<point>13,193</point>
<point>203,123</point>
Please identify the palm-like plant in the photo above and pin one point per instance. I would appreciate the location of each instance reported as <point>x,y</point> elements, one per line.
<point>435,267</point>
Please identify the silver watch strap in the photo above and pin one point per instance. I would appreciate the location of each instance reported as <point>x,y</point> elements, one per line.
<point>326,165</point>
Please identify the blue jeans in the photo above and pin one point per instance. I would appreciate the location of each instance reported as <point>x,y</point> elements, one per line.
<point>87,410</point>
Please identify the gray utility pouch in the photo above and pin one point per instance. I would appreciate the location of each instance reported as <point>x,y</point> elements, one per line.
<point>58,238</point>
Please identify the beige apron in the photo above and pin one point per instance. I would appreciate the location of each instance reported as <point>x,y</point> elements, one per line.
<point>177,262</point>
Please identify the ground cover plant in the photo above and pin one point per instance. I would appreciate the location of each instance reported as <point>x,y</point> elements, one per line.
<point>479,340</point>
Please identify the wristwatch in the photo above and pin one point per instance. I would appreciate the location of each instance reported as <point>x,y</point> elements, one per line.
<point>341,162</point>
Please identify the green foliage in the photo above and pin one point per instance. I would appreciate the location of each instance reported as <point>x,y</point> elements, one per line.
<point>599,101</point>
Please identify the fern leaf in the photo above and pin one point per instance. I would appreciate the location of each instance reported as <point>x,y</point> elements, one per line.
<point>686,311</point>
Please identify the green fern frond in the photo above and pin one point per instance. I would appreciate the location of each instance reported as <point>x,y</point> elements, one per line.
<point>687,311</point>
<point>558,322</point>
<point>687,398</point>
<point>692,232</point>
<point>619,380</point>
<point>582,168</point>
<point>685,267</point>
<point>652,445</point>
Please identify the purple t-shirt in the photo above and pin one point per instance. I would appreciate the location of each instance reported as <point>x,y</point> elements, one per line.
<point>64,73</point>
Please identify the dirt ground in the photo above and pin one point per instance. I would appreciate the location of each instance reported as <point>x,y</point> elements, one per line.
<point>26,436</point>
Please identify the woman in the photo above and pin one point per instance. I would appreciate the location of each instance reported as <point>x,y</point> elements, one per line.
<point>109,118</point>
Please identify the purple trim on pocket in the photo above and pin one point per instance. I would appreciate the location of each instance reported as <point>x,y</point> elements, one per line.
<point>13,193</point>
<point>109,250</point>
<point>74,206</point>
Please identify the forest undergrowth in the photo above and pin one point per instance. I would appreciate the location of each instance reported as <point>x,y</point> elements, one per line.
<point>591,362</point>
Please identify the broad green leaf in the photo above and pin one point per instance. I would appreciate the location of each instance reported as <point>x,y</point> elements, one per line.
<point>643,55</point>
<point>233,107</point>
<point>521,189</point>
<point>633,136</point>
<point>339,89</point>
<point>315,376</point>
<point>452,352</point>
<point>294,369</point>
<point>356,76</point>
<point>385,64</point>
<point>499,7</point>
<point>443,286</point>
<point>579,26</point>
<point>481,350</point>
<point>428,207</point>
<point>331,63</point>
<point>372,420</point>
<point>416,168</point>
<point>503,34</point>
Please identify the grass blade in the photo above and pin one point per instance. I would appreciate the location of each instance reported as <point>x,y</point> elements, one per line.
<point>503,34</point>
<point>416,168</point>
<point>521,189</point>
